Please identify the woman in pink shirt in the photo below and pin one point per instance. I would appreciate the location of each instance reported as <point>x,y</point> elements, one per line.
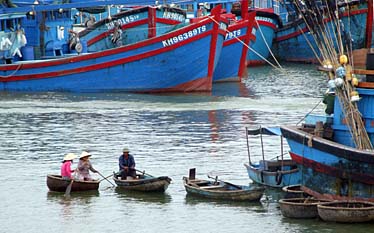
<point>66,166</point>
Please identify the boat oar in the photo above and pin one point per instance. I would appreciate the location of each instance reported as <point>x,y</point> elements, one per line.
<point>143,172</point>
<point>233,185</point>
<point>106,178</point>
<point>68,189</point>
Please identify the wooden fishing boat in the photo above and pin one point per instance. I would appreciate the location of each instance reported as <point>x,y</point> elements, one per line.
<point>170,68</point>
<point>346,211</point>
<point>57,184</point>
<point>223,190</point>
<point>299,207</point>
<point>143,182</point>
<point>275,173</point>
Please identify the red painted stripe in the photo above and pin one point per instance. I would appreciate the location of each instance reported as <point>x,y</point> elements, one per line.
<point>255,63</point>
<point>151,22</point>
<point>291,35</point>
<point>167,21</point>
<point>212,52</point>
<point>369,23</point>
<point>267,24</point>
<point>333,171</point>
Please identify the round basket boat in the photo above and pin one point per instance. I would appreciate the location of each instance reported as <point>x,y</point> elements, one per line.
<point>346,211</point>
<point>294,191</point>
<point>299,207</point>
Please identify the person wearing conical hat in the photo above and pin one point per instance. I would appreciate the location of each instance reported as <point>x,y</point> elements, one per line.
<point>126,164</point>
<point>66,166</point>
<point>85,166</point>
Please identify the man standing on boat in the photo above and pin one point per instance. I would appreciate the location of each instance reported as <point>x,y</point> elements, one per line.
<point>126,164</point>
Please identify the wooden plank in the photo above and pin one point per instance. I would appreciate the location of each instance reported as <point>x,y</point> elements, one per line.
<point>362,71</point>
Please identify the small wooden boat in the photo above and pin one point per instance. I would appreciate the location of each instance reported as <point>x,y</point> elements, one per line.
<point>294,191</point>
<point>299,207</point>
<point>219,189</point>
<point>346,211</point>
<point>57,184</point>
<point>143,182</point>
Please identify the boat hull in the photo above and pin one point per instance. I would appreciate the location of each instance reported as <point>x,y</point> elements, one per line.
<point>148,184</point>
<point>267,23</point>
<point>346,211</point>
<point>57,184</point>
<point>232,61</point>
<point>299,207</point>
<point>243,194</point>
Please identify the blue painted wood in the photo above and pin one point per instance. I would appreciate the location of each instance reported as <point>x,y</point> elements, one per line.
<point>270,173</point>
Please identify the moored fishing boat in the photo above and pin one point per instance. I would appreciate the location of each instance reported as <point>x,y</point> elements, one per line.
<point>346,211</point>
<point>278,172</point>
<point>143,182</point>
<point>57,184</point>
<point>294,42</point>
<point>170,68</point>
<point>218,189</point>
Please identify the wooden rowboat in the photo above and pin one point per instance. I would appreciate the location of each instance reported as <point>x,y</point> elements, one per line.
<point>294,191</point>
<point>299,207</point>
<point>57,184</point>
<point>346,211</point>
<point>222,190</point>
<point>144,183</point>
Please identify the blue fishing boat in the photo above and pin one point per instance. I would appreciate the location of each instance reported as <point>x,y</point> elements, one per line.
<point>294,42</point>
<point>240,35</point>
<point>277,172</point>
<point>136,24</point>
<point>179,61</point>
<point>335,152</point>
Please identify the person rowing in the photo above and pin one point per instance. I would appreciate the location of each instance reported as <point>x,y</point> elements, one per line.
<point>126,164</point>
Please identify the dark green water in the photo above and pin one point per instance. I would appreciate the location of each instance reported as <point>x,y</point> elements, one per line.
<point>167,134</point>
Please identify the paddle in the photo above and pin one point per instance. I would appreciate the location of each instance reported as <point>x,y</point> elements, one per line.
<point>68,189</point>
<point>106,178</point>
<point>143,172</point>
<point>233,185</point>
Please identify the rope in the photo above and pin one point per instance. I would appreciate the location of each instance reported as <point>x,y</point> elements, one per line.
<point>13,73</point>
<point>278,68</point>
<point>309,112</point>
<point>267,46</point>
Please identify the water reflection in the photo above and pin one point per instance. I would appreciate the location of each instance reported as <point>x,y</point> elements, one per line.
<point>196,200</point>
<point>84,200</point>
<point>150,197</point>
